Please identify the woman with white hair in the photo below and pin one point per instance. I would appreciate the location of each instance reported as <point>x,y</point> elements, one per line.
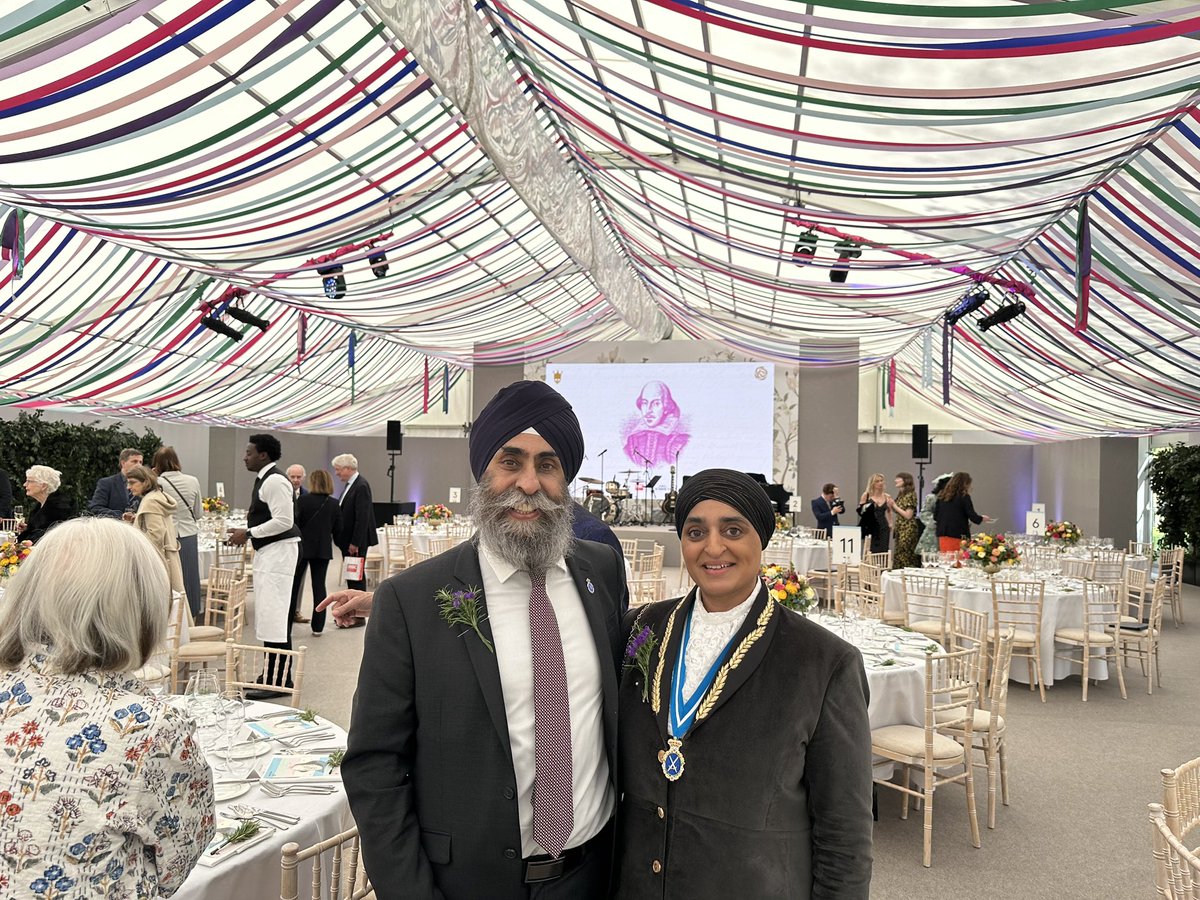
<point>107,791</point>
<point>41,485</point>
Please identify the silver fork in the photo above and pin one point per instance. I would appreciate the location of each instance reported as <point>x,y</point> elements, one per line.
<point>285,789</point>
<point>297,740</point>
<point>278,819</point>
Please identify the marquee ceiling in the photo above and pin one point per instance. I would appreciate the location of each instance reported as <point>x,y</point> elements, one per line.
<point>548,172</point>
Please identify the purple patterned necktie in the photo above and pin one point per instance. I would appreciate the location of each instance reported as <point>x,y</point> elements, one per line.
<point>553,812</point>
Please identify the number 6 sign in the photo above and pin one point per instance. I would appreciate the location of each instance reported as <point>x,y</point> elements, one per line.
<point>1034,522</point>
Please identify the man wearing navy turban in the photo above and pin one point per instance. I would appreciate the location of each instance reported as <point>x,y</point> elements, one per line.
<point>459,790</point>
<point>745,744</point>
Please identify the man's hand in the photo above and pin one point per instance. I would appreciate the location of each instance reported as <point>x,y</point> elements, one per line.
<point>237,536</point>
<point>353,548</point>
<point>348,607</point>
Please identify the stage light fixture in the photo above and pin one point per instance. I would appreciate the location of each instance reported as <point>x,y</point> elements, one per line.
<point>970,302</point>
<point>806,246</point>
<point>846,250</point>
<point>212,323</point>
<point>379,264</point>
<point>333,282</point>
<point>248,317</point>
<point>1006,313</point>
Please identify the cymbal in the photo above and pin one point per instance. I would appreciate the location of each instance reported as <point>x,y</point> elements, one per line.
<point>631,471</point>
<point>587,480</point>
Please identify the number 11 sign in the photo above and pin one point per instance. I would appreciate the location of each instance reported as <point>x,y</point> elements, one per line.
<point>847,545</point>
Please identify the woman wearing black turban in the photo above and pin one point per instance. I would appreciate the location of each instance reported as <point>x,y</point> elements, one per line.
<point>745,749</point>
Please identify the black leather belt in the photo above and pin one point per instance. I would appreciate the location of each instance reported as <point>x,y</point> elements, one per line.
<point>546,868</point>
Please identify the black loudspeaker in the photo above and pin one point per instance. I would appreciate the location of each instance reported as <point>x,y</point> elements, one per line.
<point>920,438</point>
<point>395,443</point>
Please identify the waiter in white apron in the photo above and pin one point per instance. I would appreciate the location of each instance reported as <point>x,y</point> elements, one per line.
<point>276,540</point>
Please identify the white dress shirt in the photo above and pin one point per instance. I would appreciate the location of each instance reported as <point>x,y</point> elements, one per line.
<point>277,494</point>
<point>707,637</point>
<point>346,489</point>
<point>506,593</point>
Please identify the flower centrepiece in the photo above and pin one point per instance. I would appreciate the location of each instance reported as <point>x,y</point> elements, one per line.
<point>463,608</point>
<point>787,587</point>
<point>215,505</point>
<point>782,525</point>
<point>1065,532</point>
<point>637,656</point>
<point>989,550</point>
<point>12,554</point>
<point>433,513</point>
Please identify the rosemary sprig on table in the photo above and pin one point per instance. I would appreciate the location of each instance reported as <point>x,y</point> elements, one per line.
<point>243,832</point>
<point>335,758</point>
<point>309,715</point>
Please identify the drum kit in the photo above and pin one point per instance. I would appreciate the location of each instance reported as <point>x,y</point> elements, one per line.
<point>621,506</point>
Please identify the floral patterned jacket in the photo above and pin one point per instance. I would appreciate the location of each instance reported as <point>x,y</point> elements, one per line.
<point>103,791</point>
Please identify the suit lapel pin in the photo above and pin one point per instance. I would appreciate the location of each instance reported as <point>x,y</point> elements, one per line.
<point>591,587</point>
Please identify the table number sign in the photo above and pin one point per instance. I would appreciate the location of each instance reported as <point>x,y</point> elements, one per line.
<point>1035,520</point>
<point>847,545</point>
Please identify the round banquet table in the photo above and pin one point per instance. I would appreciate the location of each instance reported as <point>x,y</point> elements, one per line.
<point>254,872</point>
<point>897,687</point>
<point>808,555</point>
<point>1062,607</point>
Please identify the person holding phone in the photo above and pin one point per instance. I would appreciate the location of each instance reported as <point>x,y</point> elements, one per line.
<point>828,507</point>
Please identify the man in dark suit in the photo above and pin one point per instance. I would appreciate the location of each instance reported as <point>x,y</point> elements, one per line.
<point>828,507</point>
<point>745,744</point>
<point>295,474</point>
<point>358,514</point>
<point>489,670</point>
<point>112,496</point>
<point>588,527</point>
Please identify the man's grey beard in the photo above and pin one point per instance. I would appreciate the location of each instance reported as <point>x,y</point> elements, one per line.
<point>532,546</point>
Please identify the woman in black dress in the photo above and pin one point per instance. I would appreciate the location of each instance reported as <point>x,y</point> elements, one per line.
<point>874,516</point>
<point>319,518</point>
<point>955,512</point>
<point>42,484</point>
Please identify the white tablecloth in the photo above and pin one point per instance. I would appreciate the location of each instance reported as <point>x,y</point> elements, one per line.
<point>254,873</point>
<point>897,690</point>
<point>1060,609</point>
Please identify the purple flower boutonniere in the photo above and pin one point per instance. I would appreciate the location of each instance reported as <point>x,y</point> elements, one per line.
<point>637,656</point>
<point>463,608</point>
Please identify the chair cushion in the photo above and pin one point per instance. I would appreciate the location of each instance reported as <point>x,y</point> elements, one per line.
<point>150,673</point>
<point>1021,638</point>
<point>981,721</point>
<point>909,740</point>
<point>1129,620</point>
<point>203,650</point>
<point>928,626</point>
<point>1079,635</point>
<point>206,633</point>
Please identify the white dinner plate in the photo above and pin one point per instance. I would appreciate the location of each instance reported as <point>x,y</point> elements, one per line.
<point>224,792</point>
<point>246,751</point>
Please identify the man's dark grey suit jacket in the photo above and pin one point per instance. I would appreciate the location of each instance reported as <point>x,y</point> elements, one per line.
<point>429,769</point>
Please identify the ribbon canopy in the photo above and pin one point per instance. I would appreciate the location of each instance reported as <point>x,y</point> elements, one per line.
<point>807,184</point>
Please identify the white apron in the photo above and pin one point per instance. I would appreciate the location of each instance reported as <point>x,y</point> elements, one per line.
<point>274,569</point>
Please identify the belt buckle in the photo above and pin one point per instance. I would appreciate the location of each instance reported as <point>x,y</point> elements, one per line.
<point>544,870</point>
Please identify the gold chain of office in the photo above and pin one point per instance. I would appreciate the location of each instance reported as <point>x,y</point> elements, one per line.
<point>735,659</point>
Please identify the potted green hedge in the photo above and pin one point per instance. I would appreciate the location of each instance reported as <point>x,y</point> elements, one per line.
<point>1174,476</point>
<point>83,453</point>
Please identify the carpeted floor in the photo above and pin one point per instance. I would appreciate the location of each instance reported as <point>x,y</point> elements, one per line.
<point>1081,776</point>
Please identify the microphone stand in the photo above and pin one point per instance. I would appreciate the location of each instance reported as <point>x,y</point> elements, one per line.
<point>601,455</point>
